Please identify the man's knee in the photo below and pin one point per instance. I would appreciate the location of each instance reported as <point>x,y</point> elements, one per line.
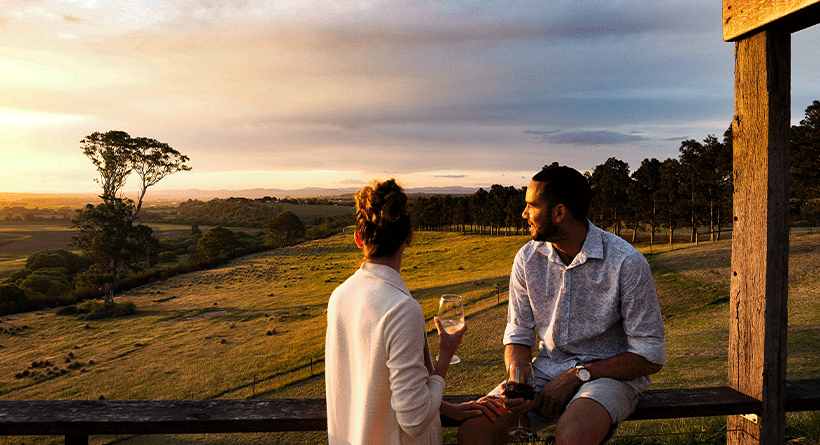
<point>585,422</point>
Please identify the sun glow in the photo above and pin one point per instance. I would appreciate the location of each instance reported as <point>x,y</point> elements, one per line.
<point>23,72</point>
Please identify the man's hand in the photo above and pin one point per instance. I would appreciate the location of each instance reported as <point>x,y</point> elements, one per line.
<point>518,406</point>
<point>552,400</point>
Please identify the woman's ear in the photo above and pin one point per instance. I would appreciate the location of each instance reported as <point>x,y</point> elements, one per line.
<point>358,238</point>
<point>409,241</point>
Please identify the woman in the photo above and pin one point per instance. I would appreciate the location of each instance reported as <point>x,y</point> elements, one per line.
<point>381,385</point>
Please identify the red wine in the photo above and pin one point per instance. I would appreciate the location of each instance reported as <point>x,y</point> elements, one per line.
<point>514,390</point>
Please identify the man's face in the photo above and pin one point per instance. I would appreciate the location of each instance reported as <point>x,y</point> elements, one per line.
<point>538,214</point>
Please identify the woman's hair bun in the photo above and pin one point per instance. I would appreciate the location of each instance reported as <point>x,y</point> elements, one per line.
<point>382,218</point>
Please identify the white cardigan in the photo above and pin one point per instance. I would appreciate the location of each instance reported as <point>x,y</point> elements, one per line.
<point>377,364</point>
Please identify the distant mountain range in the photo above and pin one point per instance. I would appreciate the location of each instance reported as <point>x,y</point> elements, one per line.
<point>54,200</point>
<point>308,192</point>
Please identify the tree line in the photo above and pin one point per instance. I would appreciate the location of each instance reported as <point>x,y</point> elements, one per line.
<point>691,193</point>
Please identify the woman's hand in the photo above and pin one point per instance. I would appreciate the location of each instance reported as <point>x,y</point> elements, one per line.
<point>489,406</point>
<point>448,343</point>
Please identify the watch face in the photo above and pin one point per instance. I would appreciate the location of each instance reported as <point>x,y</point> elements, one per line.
<point>583,374</point>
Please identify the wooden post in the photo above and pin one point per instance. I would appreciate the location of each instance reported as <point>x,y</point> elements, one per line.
<point>759,283</point>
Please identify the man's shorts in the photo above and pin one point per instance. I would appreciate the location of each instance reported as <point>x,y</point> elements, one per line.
<point>616,396</point>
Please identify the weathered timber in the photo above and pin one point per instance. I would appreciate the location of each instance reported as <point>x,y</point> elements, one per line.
<point>758,311</point>
<point>72,417</point>
<point>744,17</point>
<point>79,419</point>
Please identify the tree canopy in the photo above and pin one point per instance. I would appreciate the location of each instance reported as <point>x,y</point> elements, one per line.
<point>285,229</point>
<point>108,232</point>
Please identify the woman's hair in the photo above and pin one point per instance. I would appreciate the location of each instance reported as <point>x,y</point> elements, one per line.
<point>382,219</point>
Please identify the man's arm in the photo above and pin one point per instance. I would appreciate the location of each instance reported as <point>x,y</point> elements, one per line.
<point>627,366</point>
<point>514,353</point>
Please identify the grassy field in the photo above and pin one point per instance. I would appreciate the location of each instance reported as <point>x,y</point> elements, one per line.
<point>255,328</point>
<point>20,239</point>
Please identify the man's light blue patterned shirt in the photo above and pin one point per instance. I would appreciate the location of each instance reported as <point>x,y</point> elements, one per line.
<point>601,305</point>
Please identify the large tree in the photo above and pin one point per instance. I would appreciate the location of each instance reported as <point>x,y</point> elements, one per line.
<point>285,229</point>
<point>644,196</point>
<point>109,236</point>
<point>107,231</point>
<point>609,183</point>
<point>111,153</point>
<point>668,192</point>
<point>153,160</point>
<point>116,155</point>
<point>217,241</point>
<point>805,163</point>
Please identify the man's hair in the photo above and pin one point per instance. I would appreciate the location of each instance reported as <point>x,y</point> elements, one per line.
<point>565,185</point>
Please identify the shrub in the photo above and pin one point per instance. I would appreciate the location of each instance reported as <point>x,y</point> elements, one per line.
<point>217,241</point>
<point>50,259</point>
<point>46,259</point>
<point>13,300</point>
<point>37,282</point>
<point>48,282</point>
<point>285,229</point>
<point>19,275</point>
<point>96,309</point>
<point>10,293</point>
<point>168,257</point>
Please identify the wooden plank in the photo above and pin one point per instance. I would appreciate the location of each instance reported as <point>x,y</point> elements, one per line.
<point>693,402</point>
<point>76,417</point>
<point>760,242</point>
<point>744,17</point>
<point>803,395</point>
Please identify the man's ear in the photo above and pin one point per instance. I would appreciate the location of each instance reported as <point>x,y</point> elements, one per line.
<point>358,238</point>
<point>560,212</point>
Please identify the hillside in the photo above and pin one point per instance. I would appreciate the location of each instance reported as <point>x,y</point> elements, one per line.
<point>255,327</point>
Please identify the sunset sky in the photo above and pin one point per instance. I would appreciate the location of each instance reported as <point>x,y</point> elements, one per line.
<point>320,93</point>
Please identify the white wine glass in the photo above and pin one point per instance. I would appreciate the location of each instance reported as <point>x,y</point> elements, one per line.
<point>451,315</point>
<point>519,385</point>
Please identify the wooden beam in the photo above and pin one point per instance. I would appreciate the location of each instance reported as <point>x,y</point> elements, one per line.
<point>760,241</point>
<point>744,17</point>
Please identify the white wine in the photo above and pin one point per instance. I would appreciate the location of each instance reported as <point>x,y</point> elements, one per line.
<point>452,326</point>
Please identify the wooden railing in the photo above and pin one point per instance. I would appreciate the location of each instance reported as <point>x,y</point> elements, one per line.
<point>79,419</point>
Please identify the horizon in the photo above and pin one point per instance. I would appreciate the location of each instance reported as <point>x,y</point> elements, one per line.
<point>305,93</point>
<point>164,196</point>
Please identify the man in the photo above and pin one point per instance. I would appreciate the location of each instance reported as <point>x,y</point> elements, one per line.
<point>590,297</point>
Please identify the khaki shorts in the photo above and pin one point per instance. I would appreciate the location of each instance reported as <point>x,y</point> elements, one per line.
<point>616,396</point>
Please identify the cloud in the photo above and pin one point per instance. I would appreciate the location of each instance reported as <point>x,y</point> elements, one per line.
<point>585,137</point>
<point>72,19</point>
<point>356,182</point>
<point>378,87</point>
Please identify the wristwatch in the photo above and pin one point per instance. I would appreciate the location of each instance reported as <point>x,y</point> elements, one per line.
<point>582,373</point>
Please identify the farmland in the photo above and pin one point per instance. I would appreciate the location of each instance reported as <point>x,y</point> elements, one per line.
<point>255,328</point>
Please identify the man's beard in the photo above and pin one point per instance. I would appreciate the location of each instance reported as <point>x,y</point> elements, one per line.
<point>546,232</point>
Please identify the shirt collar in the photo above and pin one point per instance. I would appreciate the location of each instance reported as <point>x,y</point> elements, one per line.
<point>386,274</point>
<point>593,247</point>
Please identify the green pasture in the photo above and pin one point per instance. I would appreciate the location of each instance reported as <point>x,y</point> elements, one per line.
<point>255,328</point>
<point>18,240</point>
